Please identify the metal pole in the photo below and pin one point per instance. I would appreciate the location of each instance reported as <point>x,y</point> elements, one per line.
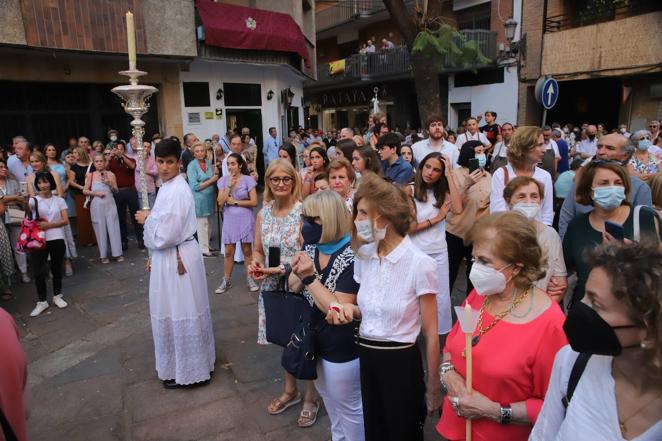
<point>544,118</point>
<point>138,133</point>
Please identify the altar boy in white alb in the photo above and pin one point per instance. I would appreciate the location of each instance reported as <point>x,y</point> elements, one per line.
<point>178,301</point>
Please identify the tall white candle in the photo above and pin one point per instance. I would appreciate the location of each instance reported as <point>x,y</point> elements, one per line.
<point>131,40</point>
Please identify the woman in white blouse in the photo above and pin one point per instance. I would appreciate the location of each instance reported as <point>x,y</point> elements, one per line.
<point>616,331</point>
<point>524,195</point>
<point>396,301</point>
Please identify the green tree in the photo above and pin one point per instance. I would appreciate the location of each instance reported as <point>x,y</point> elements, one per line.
<point>434,46</point>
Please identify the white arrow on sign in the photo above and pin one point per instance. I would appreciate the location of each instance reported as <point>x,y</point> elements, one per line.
<point>550,93</point>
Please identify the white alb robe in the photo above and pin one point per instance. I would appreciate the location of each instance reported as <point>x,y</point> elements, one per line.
<point>179,304</point>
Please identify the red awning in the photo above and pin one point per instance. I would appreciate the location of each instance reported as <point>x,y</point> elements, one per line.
<point>239,27</point>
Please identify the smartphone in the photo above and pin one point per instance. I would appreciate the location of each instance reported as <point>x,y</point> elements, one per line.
<point>616,230</point>
<point>274,257</point>
<point>23,188</point>
<point>473,165</point>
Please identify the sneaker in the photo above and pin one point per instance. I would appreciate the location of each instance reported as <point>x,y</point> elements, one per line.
<point>225,285</point>
<point>25,278</point>
<point>59,301</point>
<point>41,307</point>
<point>252,286</point>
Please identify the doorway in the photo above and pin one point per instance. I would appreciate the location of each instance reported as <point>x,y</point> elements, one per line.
<point>251,118</point>
<point>460,112</point>
<point>597,100</point>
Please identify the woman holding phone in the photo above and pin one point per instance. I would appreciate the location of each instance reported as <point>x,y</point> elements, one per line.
<point>100,185</point>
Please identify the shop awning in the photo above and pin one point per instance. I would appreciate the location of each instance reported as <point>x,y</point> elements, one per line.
<point>239,27</point>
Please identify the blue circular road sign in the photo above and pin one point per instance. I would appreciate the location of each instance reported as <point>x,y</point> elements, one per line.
<point>547,92</point>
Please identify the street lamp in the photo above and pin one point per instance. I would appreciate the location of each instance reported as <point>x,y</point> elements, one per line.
<point>514,47</point>
<point>510,27</point>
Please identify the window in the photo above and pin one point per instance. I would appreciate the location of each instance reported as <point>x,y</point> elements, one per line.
<point>242,95</point>
<point>196,94</point>
<point>477,17</point>
<point>486,76</point>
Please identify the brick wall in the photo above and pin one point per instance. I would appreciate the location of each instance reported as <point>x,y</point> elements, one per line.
<point>90,25</point>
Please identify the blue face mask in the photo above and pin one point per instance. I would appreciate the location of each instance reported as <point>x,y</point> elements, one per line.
<point>311,232</point>
<point>609,197</point>
<point>482,159</point>
<point>644,144</point>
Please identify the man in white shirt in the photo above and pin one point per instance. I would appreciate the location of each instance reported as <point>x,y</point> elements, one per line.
<point>371,48</point>
<point>587,148</point>
<point>472,134</point>
<point>435,142</point>
<point>19,163</point>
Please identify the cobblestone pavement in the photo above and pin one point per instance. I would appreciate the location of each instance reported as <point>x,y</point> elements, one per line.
<point>91,365</point>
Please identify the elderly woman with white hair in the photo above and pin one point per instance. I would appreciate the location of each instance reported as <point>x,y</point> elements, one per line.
<point>646,158</point>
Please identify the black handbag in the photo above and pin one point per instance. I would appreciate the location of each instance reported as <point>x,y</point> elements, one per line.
<point>283,311</point>
<point>299,357</point>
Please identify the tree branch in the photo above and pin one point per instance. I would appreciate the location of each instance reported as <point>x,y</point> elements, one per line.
<point>403,20</point>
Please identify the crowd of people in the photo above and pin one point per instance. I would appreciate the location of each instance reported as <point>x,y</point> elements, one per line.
<point>557,227</point>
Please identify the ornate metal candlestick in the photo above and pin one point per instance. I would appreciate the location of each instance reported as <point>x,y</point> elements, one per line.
<point>135,100</point>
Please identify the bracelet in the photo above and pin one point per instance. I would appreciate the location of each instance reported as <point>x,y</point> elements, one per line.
<point>506,414</point>
<point>443,370</point>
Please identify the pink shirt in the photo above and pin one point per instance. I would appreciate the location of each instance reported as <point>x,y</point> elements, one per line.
<point>13,376</point>
<point>511,363</point>
<point>151,174</point>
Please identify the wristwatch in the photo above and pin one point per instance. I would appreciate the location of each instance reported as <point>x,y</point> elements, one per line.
<point>506,414</point>
<point>308,279</point>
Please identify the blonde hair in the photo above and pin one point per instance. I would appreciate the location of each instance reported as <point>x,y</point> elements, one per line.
<point>198,144</point>
<point>82,155</point>
<point>331,209</point>
<point>515,241</point>
<point>523,141</point>
<point>287,167</point>
<point>358,139</point>
<point>40,157</point>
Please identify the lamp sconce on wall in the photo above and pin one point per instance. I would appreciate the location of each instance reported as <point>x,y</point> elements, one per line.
<point>219,94</point>
<point>219,112</point>
<point>270,95</point>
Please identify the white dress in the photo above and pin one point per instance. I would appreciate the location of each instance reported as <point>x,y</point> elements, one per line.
<point>592,414</point>
<point>179,304</point>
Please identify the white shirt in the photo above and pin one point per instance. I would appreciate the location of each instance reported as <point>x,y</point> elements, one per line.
<point>16,168</point>
<point>592,413</point>
<point>431,240</point>
<point>466,136</point>
<point>587,146</point>
<point>50,210</point>
<point>498,203</point>
<point>423,148</point>
<point>390,289</point>
<point>553,146</point>
<point>552,248</point>
<point>500,150</point>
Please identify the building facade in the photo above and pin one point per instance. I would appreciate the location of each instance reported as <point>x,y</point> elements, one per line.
<point>60,64</point>
<point>342,97</point>
<point>607,57</point>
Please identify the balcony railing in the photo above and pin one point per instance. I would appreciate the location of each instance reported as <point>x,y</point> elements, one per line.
<point>393,62</point>
<point>345,11</point>
<point>617,10</point>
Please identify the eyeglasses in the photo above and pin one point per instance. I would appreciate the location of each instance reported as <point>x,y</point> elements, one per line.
<point>278,180</point>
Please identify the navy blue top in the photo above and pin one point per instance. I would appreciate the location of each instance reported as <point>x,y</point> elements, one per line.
<point>400,172</point>
<point>564,164</point>
<point>336,343</point>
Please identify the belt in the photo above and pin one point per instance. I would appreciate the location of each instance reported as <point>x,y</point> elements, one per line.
<point>380,344</point>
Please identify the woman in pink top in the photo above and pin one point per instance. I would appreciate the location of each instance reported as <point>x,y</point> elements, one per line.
<point>518,334</point>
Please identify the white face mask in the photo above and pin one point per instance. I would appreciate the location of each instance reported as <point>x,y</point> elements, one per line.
<point>366,232</point>
<point>487,280</point>
<point>113,138</point>
<point>528,209</point>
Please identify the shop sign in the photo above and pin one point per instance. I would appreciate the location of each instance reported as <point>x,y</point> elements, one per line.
<point>350,97</point>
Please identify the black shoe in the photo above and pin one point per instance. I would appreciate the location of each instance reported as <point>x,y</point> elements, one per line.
<point>125,246</point>
<point>171,384</point>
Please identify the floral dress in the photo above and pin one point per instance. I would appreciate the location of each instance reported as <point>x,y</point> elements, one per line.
<point>648,167</point>
<point>280,232</point>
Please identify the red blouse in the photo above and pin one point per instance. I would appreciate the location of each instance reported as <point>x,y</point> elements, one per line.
<point>511,363</point>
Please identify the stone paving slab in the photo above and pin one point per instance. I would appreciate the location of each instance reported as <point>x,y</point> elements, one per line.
<point>91,365</point>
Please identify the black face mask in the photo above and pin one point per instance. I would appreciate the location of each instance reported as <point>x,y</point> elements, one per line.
<point>591,137</point>
<point>588,333</point>
<point>311,232</point>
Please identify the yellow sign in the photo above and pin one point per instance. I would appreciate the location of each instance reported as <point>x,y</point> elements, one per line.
<point>209,115</point>
<point>337,67</point>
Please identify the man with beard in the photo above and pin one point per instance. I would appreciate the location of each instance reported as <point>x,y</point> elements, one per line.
<point>435,142</point>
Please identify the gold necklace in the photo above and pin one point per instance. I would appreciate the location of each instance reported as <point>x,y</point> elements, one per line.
<point>621,422</point>
<point>517,300</point>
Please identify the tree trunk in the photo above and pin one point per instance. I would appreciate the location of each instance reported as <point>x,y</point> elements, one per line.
<point>431,95</point>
